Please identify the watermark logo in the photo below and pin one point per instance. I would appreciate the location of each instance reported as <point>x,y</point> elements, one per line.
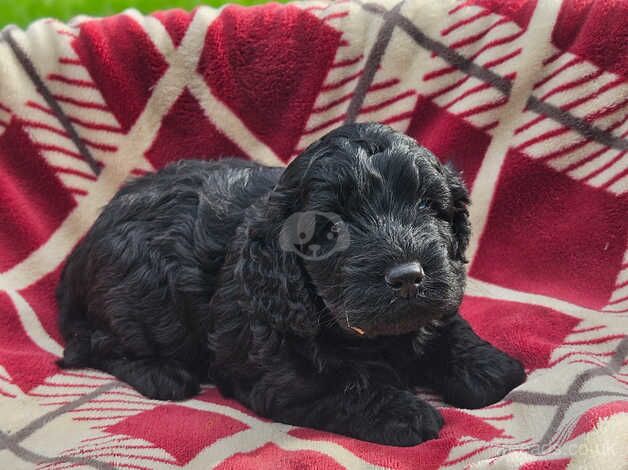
<point>560,443</point>
<point>314,235</point>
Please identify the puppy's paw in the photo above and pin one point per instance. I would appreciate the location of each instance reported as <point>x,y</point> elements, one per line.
<point>171,383</point>
<point>482,377</point>
<point>175,386</point>
<point>403,419</point>
<point>166,380</point>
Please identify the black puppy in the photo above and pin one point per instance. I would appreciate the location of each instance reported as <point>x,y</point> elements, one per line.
<point>318,295</point>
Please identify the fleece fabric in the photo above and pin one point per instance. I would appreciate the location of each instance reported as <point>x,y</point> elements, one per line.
<point>528,97</point>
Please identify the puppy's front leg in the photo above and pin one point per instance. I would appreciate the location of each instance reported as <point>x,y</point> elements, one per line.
<point>345,405</point>
<point>468,371</point>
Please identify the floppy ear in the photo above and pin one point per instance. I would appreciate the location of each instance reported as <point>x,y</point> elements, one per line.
<point>460,213</point>
<point>274,284</point>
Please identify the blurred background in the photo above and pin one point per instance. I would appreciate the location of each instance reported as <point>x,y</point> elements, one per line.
<point>23,12</point>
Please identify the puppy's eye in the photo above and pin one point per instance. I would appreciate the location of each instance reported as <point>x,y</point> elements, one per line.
<point>425,204</point>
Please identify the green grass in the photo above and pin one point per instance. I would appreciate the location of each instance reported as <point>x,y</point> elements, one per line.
<point>23,12</point>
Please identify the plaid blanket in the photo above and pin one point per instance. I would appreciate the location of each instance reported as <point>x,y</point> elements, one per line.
<point>528,97</point>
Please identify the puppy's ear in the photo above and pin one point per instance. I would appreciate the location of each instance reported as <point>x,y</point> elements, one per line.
<point>275,287</point>
<point>460,212</point>
<point>274,282</point>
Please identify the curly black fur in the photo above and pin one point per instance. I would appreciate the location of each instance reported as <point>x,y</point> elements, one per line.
<point>183,280</point>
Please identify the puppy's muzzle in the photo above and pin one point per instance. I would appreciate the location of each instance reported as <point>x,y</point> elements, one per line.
<point>405,279</point>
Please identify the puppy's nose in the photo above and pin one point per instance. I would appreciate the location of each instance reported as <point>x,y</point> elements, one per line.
<point>405,278</point>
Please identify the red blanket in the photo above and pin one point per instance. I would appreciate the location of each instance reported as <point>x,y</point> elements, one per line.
<point>528,97</point>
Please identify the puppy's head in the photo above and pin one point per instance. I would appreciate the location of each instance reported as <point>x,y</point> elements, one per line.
<point>376,228</point>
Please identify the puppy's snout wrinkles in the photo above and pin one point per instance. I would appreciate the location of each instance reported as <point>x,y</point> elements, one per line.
<point>404,279</point>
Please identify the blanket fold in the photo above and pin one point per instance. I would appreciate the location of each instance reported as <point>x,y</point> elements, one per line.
<point>529,98</point>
